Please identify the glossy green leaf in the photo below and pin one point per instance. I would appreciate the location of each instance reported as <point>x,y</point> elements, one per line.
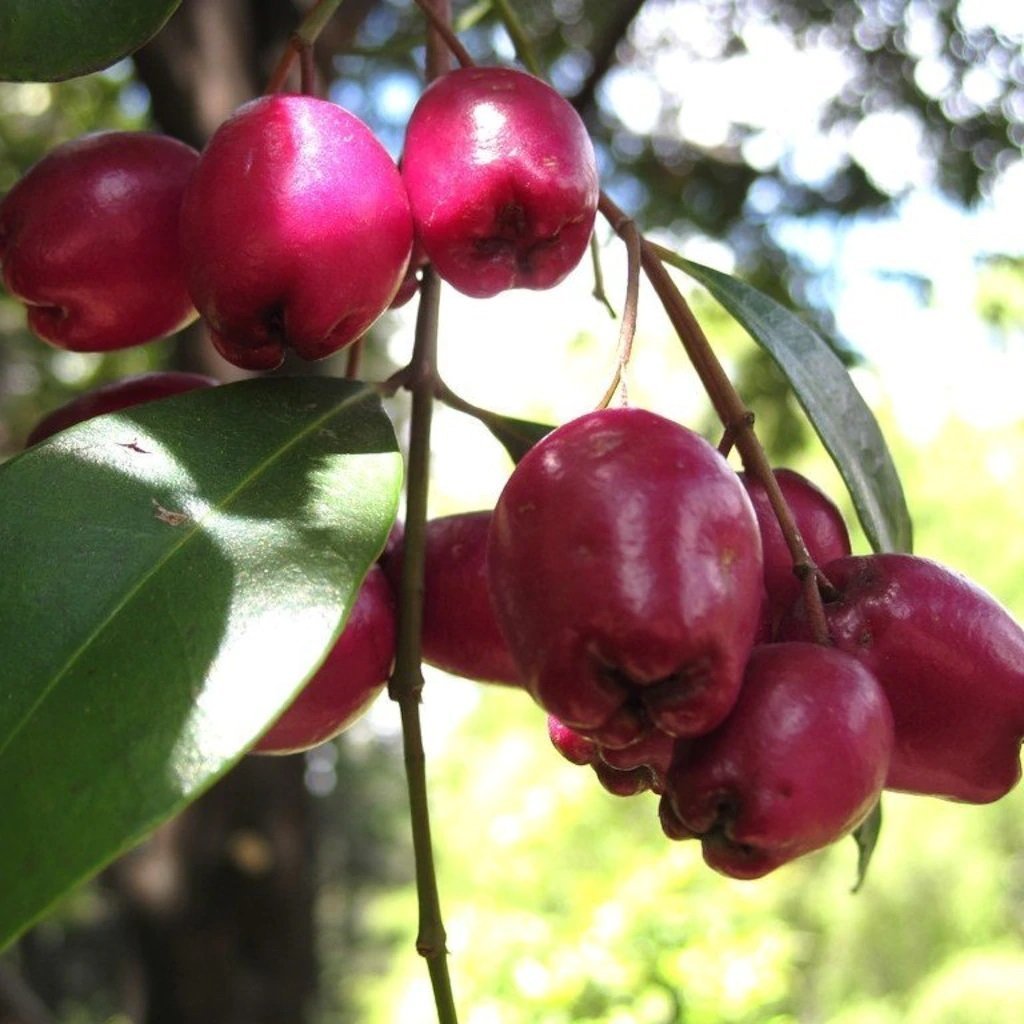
<point>516,436</point>
<point>844,422</point>
<point>169,577</point>
<point>51,40</point>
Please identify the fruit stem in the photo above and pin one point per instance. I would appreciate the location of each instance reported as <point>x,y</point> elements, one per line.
<point>444,30</point>
<point>736,418</point>
<point>407,680</point>
<point>520,40</point>
<point>444,394</point>
<point>406,683</point>
<point>307,71</point>
<point>627,329</point>
<point>599,292</point>
<point>302,40</point>
<point>355,358</point>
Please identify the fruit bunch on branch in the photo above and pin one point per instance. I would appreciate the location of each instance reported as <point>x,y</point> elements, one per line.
<point>689,619</point>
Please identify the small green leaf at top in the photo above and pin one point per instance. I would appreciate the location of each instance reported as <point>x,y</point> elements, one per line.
<point>516,436</point>
<point>170,575</point>
<point>52,40</point>
<point>822,385</point>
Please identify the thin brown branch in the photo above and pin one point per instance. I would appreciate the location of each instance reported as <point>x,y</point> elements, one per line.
<point>444,30</point>
<point>283,67</point>
<point>355,357</point>
<point>627,330</point>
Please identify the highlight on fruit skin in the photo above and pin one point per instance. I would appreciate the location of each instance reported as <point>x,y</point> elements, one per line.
<point>502,180</point>
<point>89,241</point>
<point>296,231</point>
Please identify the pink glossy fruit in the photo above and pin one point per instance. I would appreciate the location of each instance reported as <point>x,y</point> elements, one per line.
<point>296,229</point>
<point>652,755</point>
<point>350,678</point>
<point>576,749</point>
<point>799,762</point>
<point>625,567</point>
<point>820,523</point>
<point>460,631</point>
<point>636,769</point>
<point>89,241</point>
<point>119,394</point>
<point>951,661</point>
<point>502,180</point>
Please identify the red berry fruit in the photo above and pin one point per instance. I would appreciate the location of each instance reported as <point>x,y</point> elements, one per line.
<point>502,180</point>
<point>89,241</point>
<point>120,394</point>
<point>350,678</point>
<point>636,769</point>
<point>651,755</point>
<point>623,781</point>
<point>821,526</point>
<point>296,230</point>
<point>460,630</point>
<point>951,661</point>
<point>799,762</point>
<point>625,567</point>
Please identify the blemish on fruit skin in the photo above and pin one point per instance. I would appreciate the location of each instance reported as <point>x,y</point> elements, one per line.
<point>133,446</point>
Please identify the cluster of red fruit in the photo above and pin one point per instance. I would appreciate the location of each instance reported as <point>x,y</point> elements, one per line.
<point>628,578</point>
<point>294,227</point>
<point>644,594</point>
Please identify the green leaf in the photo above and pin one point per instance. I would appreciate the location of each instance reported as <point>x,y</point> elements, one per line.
<point>844,422</point>
<point>865,835</point>
<point>170,575</point>
<point>51,40</point>
<point>517,436</point>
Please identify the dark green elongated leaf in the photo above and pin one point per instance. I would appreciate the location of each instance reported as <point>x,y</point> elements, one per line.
<point>847,427</point>
<point>50,40</point>
<point>866,835</point>
<point>169,576</point>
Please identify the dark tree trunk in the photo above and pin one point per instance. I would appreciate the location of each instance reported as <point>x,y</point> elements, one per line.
<point>219,904</point>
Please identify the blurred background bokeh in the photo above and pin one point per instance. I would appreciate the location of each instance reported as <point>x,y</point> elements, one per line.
<point>860,161</point>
